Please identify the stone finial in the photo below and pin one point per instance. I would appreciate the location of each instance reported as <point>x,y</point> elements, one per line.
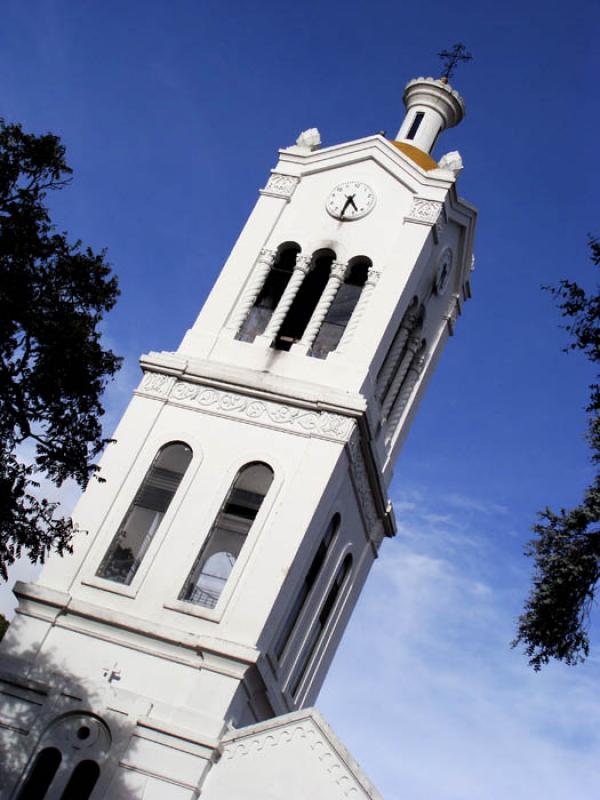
<point>310,139</point>
<point>452,161</point>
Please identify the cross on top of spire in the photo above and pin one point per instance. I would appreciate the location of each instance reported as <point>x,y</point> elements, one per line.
<point>452,58</point>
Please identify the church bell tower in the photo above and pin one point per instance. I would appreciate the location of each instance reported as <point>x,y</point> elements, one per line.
<point>245,493</point>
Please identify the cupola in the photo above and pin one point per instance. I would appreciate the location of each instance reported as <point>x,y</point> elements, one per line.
<point>432,105</point>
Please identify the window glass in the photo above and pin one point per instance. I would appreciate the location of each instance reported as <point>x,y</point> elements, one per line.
<point>224,543</point>
<point>307,584</point>
<point>340,311</point>
<point>320,623</point>
<point>270,294</point>
<point>42,774</point>
<point>143,517</point>
<point>415,126</point>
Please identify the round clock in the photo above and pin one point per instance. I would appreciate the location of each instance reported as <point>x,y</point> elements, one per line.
<point>350,200</point>
<point>442,273</point>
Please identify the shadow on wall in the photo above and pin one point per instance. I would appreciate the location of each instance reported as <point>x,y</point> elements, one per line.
<point>59,737</point>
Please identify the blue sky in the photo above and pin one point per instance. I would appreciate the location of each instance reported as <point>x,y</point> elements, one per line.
<point>172,114</point>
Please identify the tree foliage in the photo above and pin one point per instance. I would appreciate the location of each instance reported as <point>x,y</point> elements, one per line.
<point>53,367</point>
<point>566,550</point>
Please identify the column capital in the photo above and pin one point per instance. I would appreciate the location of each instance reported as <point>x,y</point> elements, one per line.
<point>338,270</point>
<point>303,263</point>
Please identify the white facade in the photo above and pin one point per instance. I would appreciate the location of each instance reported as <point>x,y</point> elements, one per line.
<point>256,459</point>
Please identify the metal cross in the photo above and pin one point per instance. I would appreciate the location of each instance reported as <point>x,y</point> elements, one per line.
<point>452,58</point>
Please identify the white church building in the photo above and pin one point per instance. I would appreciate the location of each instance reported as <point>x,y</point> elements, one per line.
<point>177,653</point>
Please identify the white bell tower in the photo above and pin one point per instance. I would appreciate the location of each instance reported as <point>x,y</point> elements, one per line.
<point>245,494</point>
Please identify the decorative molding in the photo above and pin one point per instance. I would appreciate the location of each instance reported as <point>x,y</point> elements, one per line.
<point>423,211</point>
<point>280,185</point>
<point>302,267</point>
<point>258,276</point>
<point>336,277</point>
<point>334,765</point>
<point>157,384</point>
<point>372,277</point>
<point>323,424</point>
<point>360,478</point>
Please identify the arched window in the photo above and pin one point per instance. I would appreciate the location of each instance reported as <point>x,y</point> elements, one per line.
<point>82,781</point>
<point>320,623</point>
<point>305,301</point>
<point>270,294</point>
<point>224,543</point>
<point>340,311</point>
<point>42,774</point>
<point>305,589</point>
<point>144,515</point>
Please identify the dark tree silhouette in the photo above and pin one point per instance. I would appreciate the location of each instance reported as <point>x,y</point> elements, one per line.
<point>566,550</point>
<point>53,368</point>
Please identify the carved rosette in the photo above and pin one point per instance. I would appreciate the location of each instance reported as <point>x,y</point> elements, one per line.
<point>263,264</point>
<point>280,185</point>
<point>336,277</point>
<point>363,301</point>
<point>302,267</point>
<point>304,421</point>
<point>426,212</point>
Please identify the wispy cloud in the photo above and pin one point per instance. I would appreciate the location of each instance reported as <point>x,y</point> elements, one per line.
<point>426,691</point>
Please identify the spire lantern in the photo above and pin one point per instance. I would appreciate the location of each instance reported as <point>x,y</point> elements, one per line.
<point>432,105</point>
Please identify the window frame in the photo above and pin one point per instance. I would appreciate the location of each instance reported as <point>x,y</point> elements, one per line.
<point>189,555</point>
<point>127,491</point>
<point>304,680</point>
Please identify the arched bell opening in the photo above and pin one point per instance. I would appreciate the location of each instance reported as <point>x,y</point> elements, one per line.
<point>340,312</point>
<point>305,301</point>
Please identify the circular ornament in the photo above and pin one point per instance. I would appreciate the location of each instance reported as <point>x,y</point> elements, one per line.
<point>442,273</point>
<point>350,200</point>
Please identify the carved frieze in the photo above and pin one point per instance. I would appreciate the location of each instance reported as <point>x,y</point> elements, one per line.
<point>231,404</point>
<point>426,212</point>
<point>280,185</point>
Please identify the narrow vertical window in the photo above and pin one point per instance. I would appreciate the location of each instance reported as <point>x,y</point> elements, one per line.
<point>416,124</point>
<point>82,781</point>
<point>144,515</point>
<point>224,543</point>
<point>307,584</point>
<point>270,294</point>
<point>340,311</point>
<point>320,623</point>
<point>42,774</point>
<point>305,302</point>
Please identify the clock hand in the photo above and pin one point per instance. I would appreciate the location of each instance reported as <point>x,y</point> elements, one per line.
<point>346,204</point>
<point>351,200</point>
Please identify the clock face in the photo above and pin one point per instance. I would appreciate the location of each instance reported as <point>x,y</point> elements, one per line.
<point>350,200</point>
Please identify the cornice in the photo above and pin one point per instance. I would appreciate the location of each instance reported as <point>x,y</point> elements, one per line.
<point>376,148</point>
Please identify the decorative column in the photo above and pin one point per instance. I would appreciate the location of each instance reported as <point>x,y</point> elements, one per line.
<point>411,348</point>
<point>412,376</point>
<point>258,276</point>
<point>336,278</point>
<point>391,360</point>
<point>359,310</point>
<point>301,269</point>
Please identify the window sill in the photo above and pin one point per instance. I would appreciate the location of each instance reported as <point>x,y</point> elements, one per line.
<point>209,614</point>
<point>109,586</point>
